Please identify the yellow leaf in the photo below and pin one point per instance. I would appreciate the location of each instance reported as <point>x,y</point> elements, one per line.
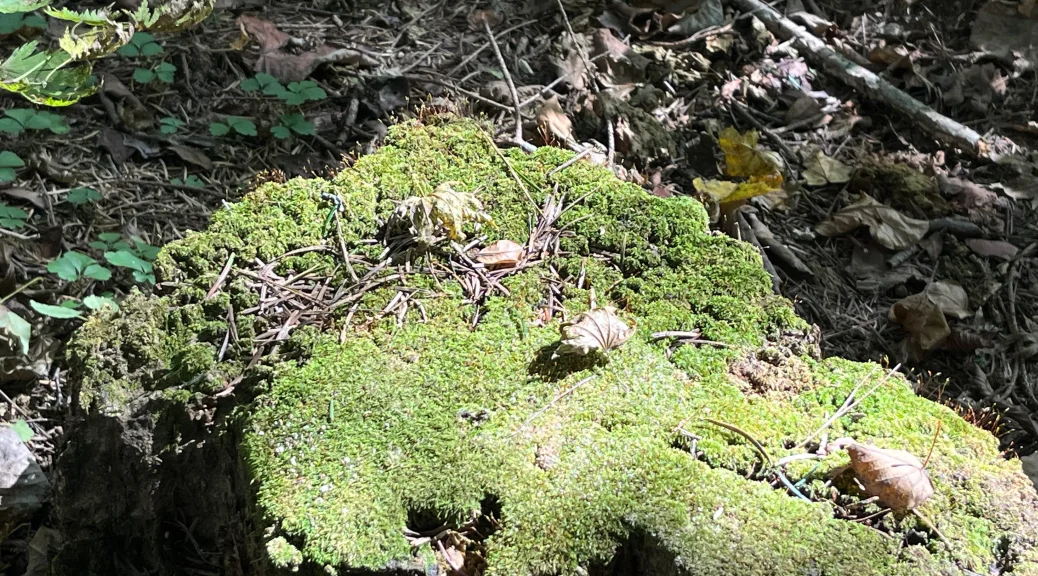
<point>726,192</point>
<point>742,158</point>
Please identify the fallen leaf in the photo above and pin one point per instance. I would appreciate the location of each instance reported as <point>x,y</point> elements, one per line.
<point>445,208</point>
<point>554,121</point>
<point>111,140</point>
<point>31,196</point>
<point>923,320</point>
<point>598,329</point>
<point>992,248</point>
<point>191,155</point>
<point>615,61</point>
<point>501,254</point>
<point>821,170</point>
<point>950,298</point>
<point>890,228</point>
<point>265,32</point>
<point>802,109</point>
<point>478,17</point>
<point>296,67</point>
<point>895,477</point>
<point>743,158</point>
<point>724,192</point>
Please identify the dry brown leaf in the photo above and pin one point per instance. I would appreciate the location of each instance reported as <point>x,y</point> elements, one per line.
<point>743,158</point>
<point>821,170</point>
<point>950,298</point>
<point>265,32</point>
<point>296,67</point>
<point>478,17</point>
<point>923,320</point>
<point>598,329</point>
<point>554,121</point>
<point>895,477</point>
<point>191,155</point>
<point>890,228</point>
<point>992,248</point>
<point>31,196</point>
<point>501,254</point>
<point>802,108</point>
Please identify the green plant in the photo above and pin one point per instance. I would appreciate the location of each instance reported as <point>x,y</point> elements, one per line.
<point>170,125</point>
<point>18,21</point>
<point>141,268</point>
<point>297,93</point>
<point>96,302</point>
<point>8,162</point>
<point>62,76</point>
<point>290,123</point>
<point>18,120</point>
<point>11,217</point>
<point>83,196</point>
<point>242,126</point>
<point>163,72</point>
<point>14,325</point>
<point>109,241</point>
<point>142,44</point>
<point>72,266</point>
<point>191,180</point>
<point>64,311</point>
<point>264,82</point>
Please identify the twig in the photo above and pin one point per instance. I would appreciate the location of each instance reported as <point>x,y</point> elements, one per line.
<point>850,403</point>
<point>511,87</point>
<point>221,278</point>
<point>701,35</point>
<point>565,393</point>
<point>865,81</point>
<point>20,288</point>
<point>571,161</point>
<point>926,521</point>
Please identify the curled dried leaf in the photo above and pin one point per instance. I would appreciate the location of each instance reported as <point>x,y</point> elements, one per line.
<point>895,477</point>
<point>501,254</point>
<point>446,210</point>
<point>890,228</point>
<point>478,17</point>
<point>598,329</point>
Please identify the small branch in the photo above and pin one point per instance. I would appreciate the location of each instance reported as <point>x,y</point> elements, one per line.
<point>518,111</point>
<point>865,81</point>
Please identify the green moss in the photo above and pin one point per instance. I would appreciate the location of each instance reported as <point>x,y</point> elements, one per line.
<point>284,555</point>
<point>574,456</point>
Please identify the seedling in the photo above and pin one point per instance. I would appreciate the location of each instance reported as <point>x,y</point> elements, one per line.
<point>191,180</point>
<point>264,82</point>
<point>9,161</point>
<point>299,92</point>
<point>11,217</point>
<point>242,126</point>
<point>83,196</point>
<point>142,269</point>
<point>142,44</point>
<point>110,241</point>
<point>18,120</point>
<point>292,123</point>
<point>170,125</point>
<point>163,72</point>
<point>72,266</point>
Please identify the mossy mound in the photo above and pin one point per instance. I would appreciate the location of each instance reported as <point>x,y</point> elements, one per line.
<point>400,440</point>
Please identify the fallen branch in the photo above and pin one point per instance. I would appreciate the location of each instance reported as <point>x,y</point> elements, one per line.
<point>864,81</point>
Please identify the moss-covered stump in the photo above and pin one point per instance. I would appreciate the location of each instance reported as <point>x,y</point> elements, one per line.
<point>409,413</point>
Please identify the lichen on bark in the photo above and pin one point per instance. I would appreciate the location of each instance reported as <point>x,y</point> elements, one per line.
<point>559,465</point>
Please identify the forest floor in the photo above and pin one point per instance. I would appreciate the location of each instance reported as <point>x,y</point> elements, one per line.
<point>903,246</point>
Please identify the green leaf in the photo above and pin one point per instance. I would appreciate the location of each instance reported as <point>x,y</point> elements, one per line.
<point>95,302</point>
<point>219,129</point>
<point>143,75</point>
<point>303,128</point>
<point>12,6</point>
<point>44,120</point>
<point>280,132</point>
<point>152,49</point>
<point>109,236</point>
<point>46,77</point>
<point>83,196</point>
<point>192,181</point>
<point>98,272</point>
<point>11,217</point>
<point>53,311</point>
<point>165,72</point>
<point>147,251</point>
<point>23,430</point>
<point>70,265</point>
<point>129,51</point>
<point>15,326</point>
<point>6,175</point>
<point>9,159</point>
<point>170,125</point>
<point>127,259</point>
<point>249,85</point>
<point>11,126</point>
<point>243,126</point>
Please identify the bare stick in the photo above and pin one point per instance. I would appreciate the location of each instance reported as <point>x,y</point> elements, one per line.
<point>850,403</point>
<point>511,87</point>
<point>568,391</point>
<point>865,81</point>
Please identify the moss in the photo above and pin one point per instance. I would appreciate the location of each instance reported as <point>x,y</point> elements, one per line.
<point>574,456</point>
<point>284,555</point>
<point>903,187</point>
